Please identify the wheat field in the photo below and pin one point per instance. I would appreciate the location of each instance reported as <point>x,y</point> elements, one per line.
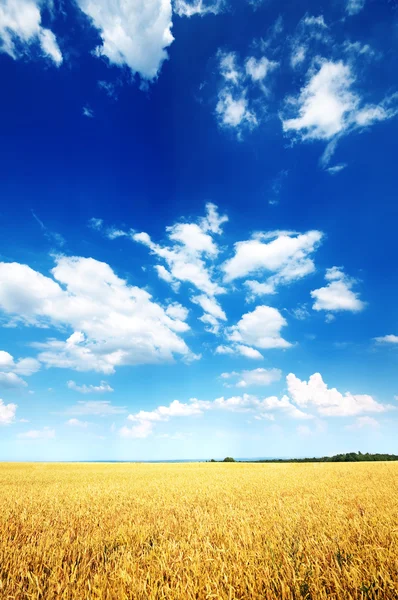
<point>201,530</point>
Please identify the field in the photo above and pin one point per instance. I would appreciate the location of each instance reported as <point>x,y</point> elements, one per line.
<point>146,531</point>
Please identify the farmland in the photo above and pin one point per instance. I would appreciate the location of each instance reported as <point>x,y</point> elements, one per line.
<point>200,530</point>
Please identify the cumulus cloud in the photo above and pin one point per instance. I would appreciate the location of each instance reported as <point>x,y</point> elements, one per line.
<point>233,110</point>
<point>327,107</point>
<point>258,377</point>
<point>247,352</point>
<point>190,258</point>
<point>283,256</point>
<point>315,394</point>
<point>190,252</point>
<point>11,369</point>
<point>22,366</point>
<point>21,31</point>
<point>114,323</point>
<point>260,328</point>
<point>7,413</point>
<point>324,105</point>
<point>135,34</point>
<point>387,339</point>
<point>189,8</point>
<point>337,295</point>
<point>145,421</point>
<point>90,389</point>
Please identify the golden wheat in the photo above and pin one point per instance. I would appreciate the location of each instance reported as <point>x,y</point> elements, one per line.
<point>149,531</point>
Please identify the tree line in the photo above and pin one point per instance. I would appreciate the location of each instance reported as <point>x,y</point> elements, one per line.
<point>347,457</point>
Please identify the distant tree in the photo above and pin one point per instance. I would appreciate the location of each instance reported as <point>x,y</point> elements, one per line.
<point>229,459</point>
<point>212,460</point>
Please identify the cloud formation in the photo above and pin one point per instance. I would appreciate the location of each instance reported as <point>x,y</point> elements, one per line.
<point>260,328</point>
<point>282,255</point>
<point>90,389</point>
<point>241,84</point>
<point>7,413</point>
<point>190,8</point>
<point>21,31</point>
<point>135,34</point>
<point>114,323</point>
<point>329,402</point>
<point>337,295</point>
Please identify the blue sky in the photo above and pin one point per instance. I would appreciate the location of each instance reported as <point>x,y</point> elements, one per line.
<point>198,229</point>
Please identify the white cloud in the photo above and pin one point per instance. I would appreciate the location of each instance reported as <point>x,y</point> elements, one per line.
<point>112,233</point>
<point>10,370</point>
<point>7,413</point>
<point>260,328</point>
<point>372,113</point>
<point>330,402</point>
<point>258,377</point>
<point>233,110</point>
<point>175,310</point>
<point>11,381</point>
<point>337,295</point>
<point>191,253</point>
<point>259,69</point>
<point>285,255</point>
<point>164,274</point>
<point>164,413</point>
<point>23,366</point>
<point>258,289</point>
<point>364,422</point>
<point>213,311</point>
<point>336,169</point>
<point>26,366</point>
<point>353,7</point>
<point>38,434</point>
<point>212,221</point>
<point>387,339</point>
<point>327,107</point>
<point>248,352</point>
<point>134,34</point>
<point>310,30</point>
<point>145,421</point>
<point>189,8</point>
<point>114,323</point>
<point>77,423</point>
<point>90,389</point>
<point>97,408</point>
<point>224,350</point>
<point>240,87</point>
<point>324,105</point>
<point>21,30</point>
